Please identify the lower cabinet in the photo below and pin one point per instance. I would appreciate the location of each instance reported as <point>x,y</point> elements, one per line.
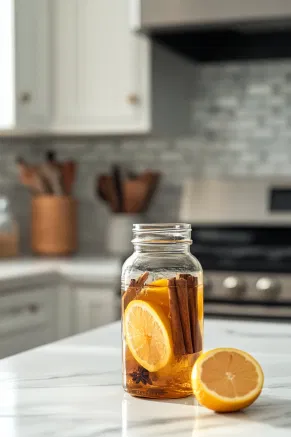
<point>34,312</point>
<point>28,318</point>
<point>95,306</point>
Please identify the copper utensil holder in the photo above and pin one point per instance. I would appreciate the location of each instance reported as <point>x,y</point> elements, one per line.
<point>54,225</point>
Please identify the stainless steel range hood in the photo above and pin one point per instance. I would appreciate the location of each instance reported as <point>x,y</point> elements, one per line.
<point>217,30</point>
<point>160,14</point>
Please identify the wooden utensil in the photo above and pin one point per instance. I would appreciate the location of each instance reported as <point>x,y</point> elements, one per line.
<point>68,170</point>
<point>52,176</point>
<point>101,190</point>
<point>110,193</point>
<point>38,183</point>
<point>151,179</point>
<point>131,196</point>
<point>51,171</point>
<point>31,177</point>
<point>106,190</point>
<point>135,193</point>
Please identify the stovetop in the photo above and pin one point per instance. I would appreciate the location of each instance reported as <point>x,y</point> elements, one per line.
<point>232,259</point>
<point>246,270</point>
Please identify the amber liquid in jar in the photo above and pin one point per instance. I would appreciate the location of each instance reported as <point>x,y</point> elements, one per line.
<point>162,318</point>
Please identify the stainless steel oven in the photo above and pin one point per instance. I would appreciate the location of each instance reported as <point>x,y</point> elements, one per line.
<point>242,236</point>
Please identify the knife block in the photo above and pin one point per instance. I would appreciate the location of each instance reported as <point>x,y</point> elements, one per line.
<point>53,225</point>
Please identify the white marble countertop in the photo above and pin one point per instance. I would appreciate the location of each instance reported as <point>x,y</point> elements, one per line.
<point>78,267</point>
<point>72,388</point>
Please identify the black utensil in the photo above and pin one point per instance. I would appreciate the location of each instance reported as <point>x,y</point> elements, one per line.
<point>117,180</point>
<point>101,183</point>
<point>51,156</point>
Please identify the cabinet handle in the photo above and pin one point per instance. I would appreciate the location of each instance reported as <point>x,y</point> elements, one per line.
<point>133,99</point>
<point>33,308</point>
<point>25,97</point>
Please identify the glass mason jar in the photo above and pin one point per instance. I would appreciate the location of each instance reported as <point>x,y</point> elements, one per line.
<point>162,312</point>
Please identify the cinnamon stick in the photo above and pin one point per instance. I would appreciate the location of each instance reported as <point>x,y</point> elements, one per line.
<point>183,275</point>
<point>182,293</point>
<point>129,294</point>
<point>134,289</point>
<point>142,279</point>
<point>192,283</point>
<point>175,319</point>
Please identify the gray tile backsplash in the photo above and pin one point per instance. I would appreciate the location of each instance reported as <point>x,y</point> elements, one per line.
<point>241,126</point>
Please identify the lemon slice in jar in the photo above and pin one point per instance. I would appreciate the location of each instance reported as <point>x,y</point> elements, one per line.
<point>148,334</point>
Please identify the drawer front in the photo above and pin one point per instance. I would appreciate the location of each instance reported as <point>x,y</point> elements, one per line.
<point>27,340</point>
<point>27,319</point>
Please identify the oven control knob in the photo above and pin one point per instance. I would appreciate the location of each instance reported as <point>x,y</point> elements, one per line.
<point>233,283</point>
<point>267,285</point>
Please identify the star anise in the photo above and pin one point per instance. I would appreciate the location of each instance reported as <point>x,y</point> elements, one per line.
<point>141,375</point>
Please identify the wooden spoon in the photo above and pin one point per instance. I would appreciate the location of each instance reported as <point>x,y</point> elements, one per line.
<point>30,177</point>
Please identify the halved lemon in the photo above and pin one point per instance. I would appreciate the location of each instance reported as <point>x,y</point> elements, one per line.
<point>148,334</point>
<point>227,379</point>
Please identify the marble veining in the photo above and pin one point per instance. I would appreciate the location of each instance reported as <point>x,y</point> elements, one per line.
<point>72,388</point>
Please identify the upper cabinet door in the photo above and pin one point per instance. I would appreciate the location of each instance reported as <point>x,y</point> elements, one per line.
<point>101,68</point>
<point>7,85</point>
<point>32,63</point>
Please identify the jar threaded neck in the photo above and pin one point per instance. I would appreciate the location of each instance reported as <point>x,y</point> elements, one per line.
<point>162,234</point>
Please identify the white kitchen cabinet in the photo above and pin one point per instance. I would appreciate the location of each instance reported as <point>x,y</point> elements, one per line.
<point>77,67</point>
<point>95,307</point>
<point>33,63</point>
<point>25,65</point>
<point>107,79</point>
<point>28,318</point>
<point>101,68</point>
